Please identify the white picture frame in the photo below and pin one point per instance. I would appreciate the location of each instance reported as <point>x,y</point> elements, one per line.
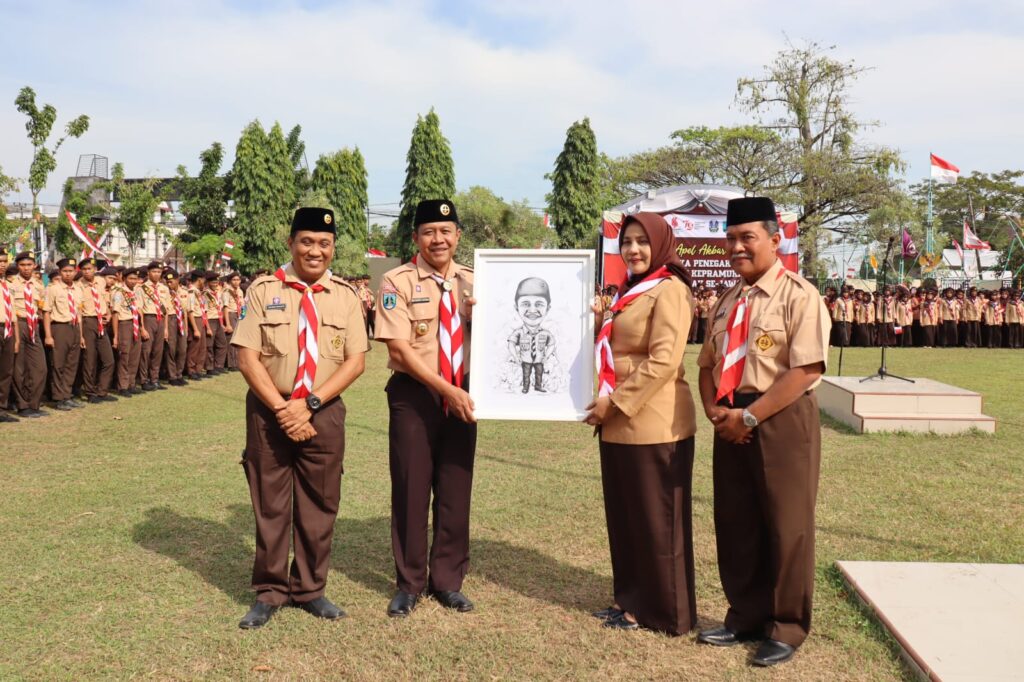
<point>506,330</point>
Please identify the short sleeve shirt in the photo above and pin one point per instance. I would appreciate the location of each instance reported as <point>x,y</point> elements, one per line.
<point>57,303</point>
<point>271,326</point>
<point>88,302</point>
<point>408,307</point>
<point>789,327</point>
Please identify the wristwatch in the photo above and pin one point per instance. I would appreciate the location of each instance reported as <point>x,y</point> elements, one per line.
<point>749,420</point>
<point>313,402</point>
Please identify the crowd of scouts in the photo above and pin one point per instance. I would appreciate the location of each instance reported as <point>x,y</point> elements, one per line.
<point>97,332</point>
<point>898,316</point>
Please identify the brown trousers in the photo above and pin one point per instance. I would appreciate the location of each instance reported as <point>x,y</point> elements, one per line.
<point>151,352</point>
<point>216,346</point>
<point>176,348</point>
<point>430,452</point>
<point>647,503</point>
<point>6,365</point>
<point>197,348</point>
<point>67,351</point>
<point>765,492</point>
<point>97,358</point>
<point>232,352</point>
<point>295,489</point>
<point>29,369</point>
<point>129,350</point>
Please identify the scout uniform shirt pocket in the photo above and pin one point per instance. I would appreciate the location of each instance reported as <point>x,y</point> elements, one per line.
<point>767,336</point>
<point>423,324</point>
<point>276,333</point>
<point>332,335</point>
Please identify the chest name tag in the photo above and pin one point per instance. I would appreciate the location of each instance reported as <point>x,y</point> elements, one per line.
<point>421,300</point>
<point>276,306</point>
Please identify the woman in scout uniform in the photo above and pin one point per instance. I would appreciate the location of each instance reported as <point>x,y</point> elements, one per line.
<point>423,317</point>
<point>949,315</point>
<point>126,324</point>
<point>300,346</point>
<point>905,319</point>
<point>758,370</point>
<point>1014,317</point>
<point>647,422</point>
<point>929,317</point>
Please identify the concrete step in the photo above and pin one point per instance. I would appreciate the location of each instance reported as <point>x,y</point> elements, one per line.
<point>873,422</point>
<point>930,403</point>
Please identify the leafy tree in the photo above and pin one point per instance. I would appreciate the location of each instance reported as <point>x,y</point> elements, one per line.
<point>134,215</point>
<point>804,96</point>
<point>379,237</point>
<point>204,197</point>
<point>489,222</point>
<point>201,252</point>
<point>82,204</point>
<point>429,174</point>
<point>575,188</point>
<point>39,125</point>
<point>341,178</point>
<point>7,228</point>
<point>262,186</point>
<point>297,155</point>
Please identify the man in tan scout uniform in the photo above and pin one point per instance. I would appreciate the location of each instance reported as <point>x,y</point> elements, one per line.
<point>767,351</point>
<point>217,344</point>
<point>153,298</point>
<point>10,341</point>
<point>97,356</point>
<point>231,302</point>
<point>126,323</point>
<point>62,324</point>
<point>199,327</point>
<point>300,345</point>
<point>30,363</point>
<point>432,429</point>
<point>176,341</point>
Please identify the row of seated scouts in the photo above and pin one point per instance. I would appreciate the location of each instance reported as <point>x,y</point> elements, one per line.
<point>925,318</point>
<point>99,329</point>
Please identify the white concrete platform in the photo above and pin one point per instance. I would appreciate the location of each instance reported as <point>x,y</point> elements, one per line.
<point>925,406</point>
<point>954,622</point>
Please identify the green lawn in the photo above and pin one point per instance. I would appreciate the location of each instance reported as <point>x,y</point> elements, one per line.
<point>127,542</point>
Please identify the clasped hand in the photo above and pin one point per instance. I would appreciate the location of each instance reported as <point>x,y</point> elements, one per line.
<point>294,418</point>
<point>729,424</point>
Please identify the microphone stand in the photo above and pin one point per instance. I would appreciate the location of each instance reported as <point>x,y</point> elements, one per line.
<point>882,372</point>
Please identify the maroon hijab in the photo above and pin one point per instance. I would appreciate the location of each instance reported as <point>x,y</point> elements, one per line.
<point>663,248</point>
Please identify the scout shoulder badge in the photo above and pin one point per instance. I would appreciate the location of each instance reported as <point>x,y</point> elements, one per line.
<point>388,296</point>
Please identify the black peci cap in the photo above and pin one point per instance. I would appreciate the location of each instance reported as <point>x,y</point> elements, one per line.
<point>312,219</point>
<point>435,211</point>
<point>750,210</point>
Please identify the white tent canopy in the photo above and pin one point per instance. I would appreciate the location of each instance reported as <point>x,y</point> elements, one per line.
<point>682,199</point>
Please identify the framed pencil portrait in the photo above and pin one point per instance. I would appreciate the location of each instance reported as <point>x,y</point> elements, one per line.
<point>533,334</point>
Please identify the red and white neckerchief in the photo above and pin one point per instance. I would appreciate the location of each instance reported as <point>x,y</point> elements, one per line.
<point>179,313</point>
<point>603,346</point>
<point>31,313</point>
<point>72,307</point>
<point>238,302</point>
<point>449,334</point>
<point>136,317</point>
<point>153,295</point>
<point>96,305</point>
<point>309,328</point>
<point>8,309</point>
<point>735,342</point>
<point>202,308</point>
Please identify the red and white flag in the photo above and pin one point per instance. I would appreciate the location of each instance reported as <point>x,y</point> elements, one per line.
<point>971,240</point>
<point>84,236</point>
<point>789,252</point>
<point>943,172</point>
<point>228,245</point>
<point>959,251</point>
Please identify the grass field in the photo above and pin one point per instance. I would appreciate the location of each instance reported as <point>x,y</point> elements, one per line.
<point>127,543</point>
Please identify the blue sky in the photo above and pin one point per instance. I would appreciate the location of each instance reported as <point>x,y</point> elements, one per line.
<point>162,80</point>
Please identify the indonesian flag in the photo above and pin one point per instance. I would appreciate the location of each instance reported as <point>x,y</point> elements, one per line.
<point>959,251</point>
<point>228,245</point>
<point>943,172</point>
<point>84,236</point>
<point>225,256</point>
<point>788,251</point>
<point>971,240</point>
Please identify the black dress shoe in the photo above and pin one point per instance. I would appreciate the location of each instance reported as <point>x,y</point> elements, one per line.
<point>772,652</point>
<point>94,399</point>
<point>723,637</point>
<point>63,406</point>
<point>125,393</point>
<point>402,604</point>
<point>258,616</point>
<point>28,414</point>
<point>607,614</point>
<point>135,390</point>
<point>620,622</point>
<point>453,600</point>
<point>321,607</point>
<point>75,403</point>
<point>8,418</point>
<point>108,398</point>
<point>149,386</point>
<point>160,387</point>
